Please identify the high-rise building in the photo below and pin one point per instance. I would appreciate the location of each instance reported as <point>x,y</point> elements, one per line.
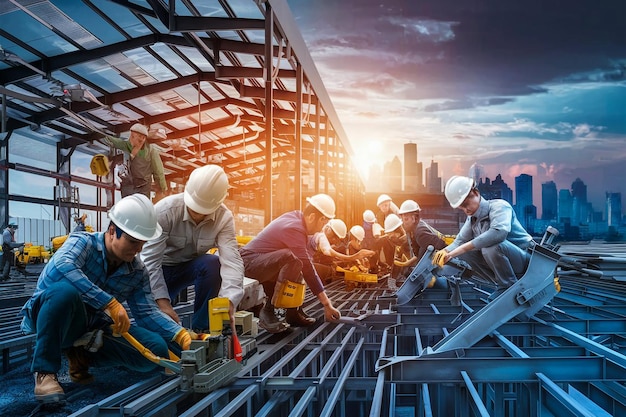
<point>496,189</point>
<point>412,179</point>
<point>549,201</point>
<point>524,208</point>
<point>393,175</point>
<point>579,202</point>
<point>565,206</point>
<point>433,180</point>
<point>614,209</point>
<point>477,173</point>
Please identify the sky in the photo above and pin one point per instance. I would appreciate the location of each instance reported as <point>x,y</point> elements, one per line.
<point>534,87</point>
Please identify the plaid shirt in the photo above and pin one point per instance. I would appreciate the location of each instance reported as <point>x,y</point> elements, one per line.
<point>82,261</point>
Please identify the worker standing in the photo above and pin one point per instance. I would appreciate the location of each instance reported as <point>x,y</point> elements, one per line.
<point>142,162</point>
<point>8,244</point>
<point>193,222</point>
<point>491,240</point>
<point>279,254</point>
<point>81,289</point>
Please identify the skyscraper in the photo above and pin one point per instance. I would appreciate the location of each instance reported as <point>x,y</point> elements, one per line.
<point>579,202</point>
<point>433,180</point>
<point>613,209</point>
<point>524,208</point>
<point>412,178</point>
<point>393,175</point>
<point>549,201</point>
<point>565,206</point>
<point>496,189</point>
<point>477,173</point>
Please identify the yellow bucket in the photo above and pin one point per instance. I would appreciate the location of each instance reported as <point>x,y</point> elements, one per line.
<point>291,295</point>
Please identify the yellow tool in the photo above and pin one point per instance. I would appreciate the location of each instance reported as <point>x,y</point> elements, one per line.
<point>172,363</point>
<point>218,314</point>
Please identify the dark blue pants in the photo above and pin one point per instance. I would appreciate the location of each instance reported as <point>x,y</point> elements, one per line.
<point>204,273</point>
<point>61,317</point>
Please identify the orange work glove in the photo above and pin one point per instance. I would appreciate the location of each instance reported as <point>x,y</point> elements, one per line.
<point>183,339</point>
<point>121,322</point>
<point>198,336</point>
<point>439,258</point>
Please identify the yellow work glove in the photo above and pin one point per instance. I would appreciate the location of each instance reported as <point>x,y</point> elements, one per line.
<point>121,322</point>
<point>198,336</point>
<point>183,339</point>
<point>439,258</point>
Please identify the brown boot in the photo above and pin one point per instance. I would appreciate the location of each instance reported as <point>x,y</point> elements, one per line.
<point>269,321</point>
<point>298,318</point>
<point>79,365</point>
<point>47,388</point>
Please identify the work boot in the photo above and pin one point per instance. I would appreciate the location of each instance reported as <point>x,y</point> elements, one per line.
<point>47,388</point>
<point>79,365</point>
<point>269,321</point>
<point>298,318</point>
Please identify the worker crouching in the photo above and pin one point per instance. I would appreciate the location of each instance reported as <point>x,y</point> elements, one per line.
<point>76,307</point>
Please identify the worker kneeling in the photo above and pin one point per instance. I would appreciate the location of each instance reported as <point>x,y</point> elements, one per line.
<point>79,293</point>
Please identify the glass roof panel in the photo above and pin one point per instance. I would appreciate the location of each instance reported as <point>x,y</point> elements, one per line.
<point>144,68</point>
<point>194,56</point>
<point>88,18</point>
<point>246,8</point>
<point>34,34</point>
<point>173,59</point>
<point>101,74</point>
<point>210,8</point>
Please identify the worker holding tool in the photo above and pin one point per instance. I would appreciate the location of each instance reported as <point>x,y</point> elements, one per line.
<point>193,222</point>
<point>142,161</point>
<point>322,246</point>
<point>492,241</point>
<point>8,244</point>
<point>419,233</point>
<point>78,299</point>
<point>279,259</point>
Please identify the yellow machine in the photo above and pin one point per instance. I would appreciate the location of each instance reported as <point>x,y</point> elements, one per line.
<point>34,254</point>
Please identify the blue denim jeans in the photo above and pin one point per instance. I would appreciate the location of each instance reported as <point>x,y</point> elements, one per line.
<point>204,273</point>
<point>60,317</point>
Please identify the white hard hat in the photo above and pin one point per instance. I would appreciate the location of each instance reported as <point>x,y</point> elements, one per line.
<point>408,206</point>
<point>139,128</point>
<point>135,215</point>
<point>377,229</point>
<point>457,189</point>
<point>206,189</point>
<point>392,222</point>
<point>382,198</point>
<point>339,227</point>
<point>358,232</point>
<point>323,203</point>
<point>369,216</point>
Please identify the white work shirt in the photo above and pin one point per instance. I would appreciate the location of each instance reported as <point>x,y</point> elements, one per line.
<point>182,240</point>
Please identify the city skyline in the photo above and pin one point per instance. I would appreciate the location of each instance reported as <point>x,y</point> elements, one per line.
<point>377,174</point>
<point>519,87</point>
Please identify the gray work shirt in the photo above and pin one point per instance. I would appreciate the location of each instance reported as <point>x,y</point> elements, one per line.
<point>183,240</point>
<point>493,223</point>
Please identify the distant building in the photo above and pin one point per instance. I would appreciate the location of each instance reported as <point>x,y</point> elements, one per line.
<point>579,202</point>
<point>495,189</point>
<point>613,209</point>
<point>433,180</point>
<point>412,169</point>
<point>524,207</point>
<point>549,201</point>
<point>477,173</point>
<point>393,175</point>
<point>565,206</point>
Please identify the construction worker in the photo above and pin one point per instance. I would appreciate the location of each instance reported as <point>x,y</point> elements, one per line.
<point>492,241</point>
<point>279,254</point>
<point>420,234</point>
<point>79,295</point>
<point>325,251</point>
<point>193,222</point>
<point>385,206</point>
<point>142,162</point>
<point>8,244</point>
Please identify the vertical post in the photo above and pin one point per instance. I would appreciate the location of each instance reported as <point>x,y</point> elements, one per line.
<point>269,111</point>
<point>298,143</point>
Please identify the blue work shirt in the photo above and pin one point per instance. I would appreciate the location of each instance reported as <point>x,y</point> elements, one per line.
<point>82,261</point>
<point>493,223</point>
